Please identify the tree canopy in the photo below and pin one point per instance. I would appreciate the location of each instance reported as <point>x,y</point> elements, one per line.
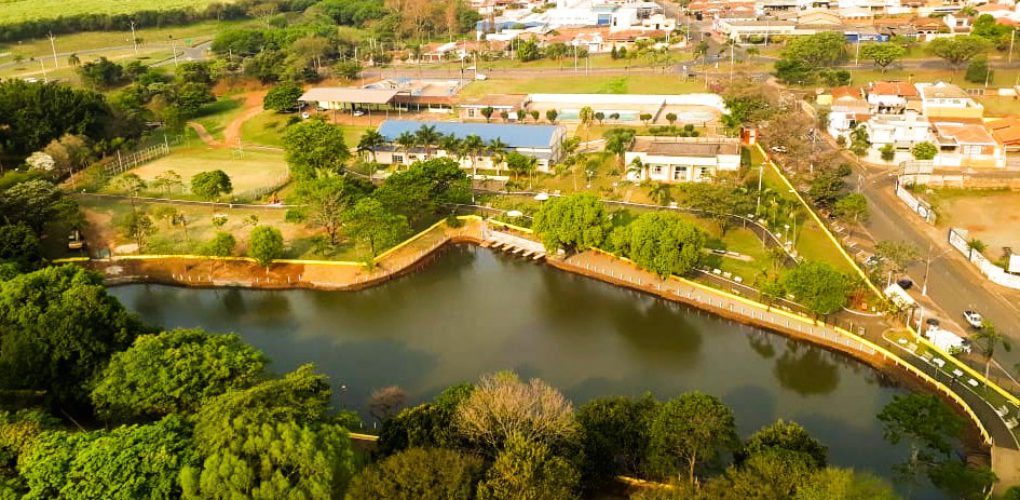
<point>573,223</point>
<point>314,148</point>
<point>210,185</point>
<point>817,286</point>
<point>957,50</point>
<point>371,225</point>
<point>282,97</point>
<point>173,372</point>
<point>419,473</point>
<point>423,189</point>
<point>689,432</point>
<point>58,328</point>
<point>265,244</point>
<point>662,242</point>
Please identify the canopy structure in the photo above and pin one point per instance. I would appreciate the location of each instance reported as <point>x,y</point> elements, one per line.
<point>340,97</point>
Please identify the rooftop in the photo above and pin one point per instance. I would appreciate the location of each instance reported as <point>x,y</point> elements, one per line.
<point>348,94</point>
<point>902,89</point>
<point>687,146</point>
<point>514,135</point>
<point>964,133</point>
<point>1005,130</point>
<point>496,101</point>
<point>942,90</point>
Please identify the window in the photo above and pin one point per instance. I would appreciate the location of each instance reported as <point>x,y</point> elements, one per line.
<point>471,112</point>
<point>657,169</point>
<point>972,150</point>
<point>680,174</point>
<point>398,158</point>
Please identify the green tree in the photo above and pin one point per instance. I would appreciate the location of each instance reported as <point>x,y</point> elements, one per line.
<point>963,481</point>
<point>957,50</point>
<point>126,463</point>
<point>138,226</point>
<point>329,198</point>
<point>574,223</point>
<point>805,57</point>
<point>664,243</point>
<point>266,65</point>
<point>371,225</point>
<point>421,191</point>
<point>20,245</point>
<point>883,54</point>
<point>101,73</point>
<point>924,151</point>
<point>419,473</point>
<point>618,141</point>
<point>211,185</point>
<point>786,436</point>
<point>173,372</point>
<point>487,113</point>
<point>844,484</point>
<point>282,97</point>
<point>272,440</point>
<point>689,432</point>
<point>528,470</point>
<point>265,244</point>
<point>770,474</point>
<point>348,70</point>
<point>314,148</point>
<point>428,425</point>
<point>859,141</point>
<point>719,201</point>
<point>926,423</point>
<point>371,141</point>
<point>222,245</point>
<point>887,152</point>
<point>34,203</point>
<point>978,71</point>
<point>58,328</point>
<point>615,436</point>
<point>551,115</point>
<point>852,207</point>
<point>898,253</point>
<point>819,287</point>
<point>988,340</point>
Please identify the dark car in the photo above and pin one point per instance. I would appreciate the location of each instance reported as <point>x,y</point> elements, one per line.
<point>905,283</point>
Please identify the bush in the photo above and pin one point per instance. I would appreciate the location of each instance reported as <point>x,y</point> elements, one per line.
<point>978,71</point>
<point>222,245</point>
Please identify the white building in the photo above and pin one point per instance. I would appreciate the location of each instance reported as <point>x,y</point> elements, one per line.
<point>902,131</point>
<point>682,159</point>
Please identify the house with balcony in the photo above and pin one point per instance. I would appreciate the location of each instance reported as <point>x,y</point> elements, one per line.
<point>847,109</point>
<point>681,159</point>
<point>892,97</point>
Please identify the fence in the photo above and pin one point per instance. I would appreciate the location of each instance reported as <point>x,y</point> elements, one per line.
<point>994,273</point>
<point>919,207</point>
<point>257,193</point>
<point>123,163</point>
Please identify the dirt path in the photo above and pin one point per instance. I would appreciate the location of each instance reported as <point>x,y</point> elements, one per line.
<point>232,132</point>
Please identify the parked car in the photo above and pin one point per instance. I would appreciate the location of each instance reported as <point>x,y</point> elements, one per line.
<point>905,283</point>
<point>778,149</point>
<point>480,77</point>
<point>974,318</point>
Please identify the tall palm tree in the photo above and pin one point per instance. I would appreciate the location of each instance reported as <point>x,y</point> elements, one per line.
<point>406,141</point>
<point>473,145</point>
<point>586,115</point>
<point>452,145</point>
<point>661,193</point>
<point>428,137</point>
<point>370,141</point>
<point>498,150</point>
<point>638,168</point>
<point>988,339</point>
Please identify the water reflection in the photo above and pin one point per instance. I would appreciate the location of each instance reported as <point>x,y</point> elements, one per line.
<point>474,311</point>
<point>806,370</point>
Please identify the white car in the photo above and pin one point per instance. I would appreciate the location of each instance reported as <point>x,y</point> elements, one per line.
<point>480,77</point>
<point>778,149</point>
<point>974,318</point>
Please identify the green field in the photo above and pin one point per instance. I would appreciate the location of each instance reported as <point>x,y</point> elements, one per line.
<point>581,84</point>
<point>13,11</point>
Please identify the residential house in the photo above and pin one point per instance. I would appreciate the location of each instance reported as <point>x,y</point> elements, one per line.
<point>903,132</point>
<point>948,102</point>
<point>1007,132</point>
<point>967,145</point>
<point>541,142</point>
<point>892,97</point>
<point>682,159</point>
<point>847,109</point>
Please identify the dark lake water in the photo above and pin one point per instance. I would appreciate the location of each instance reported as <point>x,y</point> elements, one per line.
<point>474,311</point>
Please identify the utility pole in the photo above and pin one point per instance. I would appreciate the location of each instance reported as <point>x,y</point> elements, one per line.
<point>134,39</point>
<point>53,46</point>
<point>761,171</point>
<point>857,57</point>
<point>43,66</point>
<point>1012,38</point>
<point>173,47</point>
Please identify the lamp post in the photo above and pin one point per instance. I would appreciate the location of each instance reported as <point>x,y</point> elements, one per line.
<point>927,266</point>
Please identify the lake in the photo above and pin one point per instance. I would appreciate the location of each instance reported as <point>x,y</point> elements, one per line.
<point>474,311</point>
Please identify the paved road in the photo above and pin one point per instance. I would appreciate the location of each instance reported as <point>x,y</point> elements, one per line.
<point>953,283</point>
<point>196,52</point>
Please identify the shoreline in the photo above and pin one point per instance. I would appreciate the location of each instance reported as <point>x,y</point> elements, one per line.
<point>423,249</point>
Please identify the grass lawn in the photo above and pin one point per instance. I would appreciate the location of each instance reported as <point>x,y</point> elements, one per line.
<point>70,74</point>
<point>596,61</point>
<point>580,84</point>
<point>28,10</point>
<point>217,115</point>
<point>151,38</point>
<point>254,170</point>
<point>266,129</point>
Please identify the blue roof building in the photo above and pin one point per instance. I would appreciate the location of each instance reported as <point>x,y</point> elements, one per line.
<point>541,142</point>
